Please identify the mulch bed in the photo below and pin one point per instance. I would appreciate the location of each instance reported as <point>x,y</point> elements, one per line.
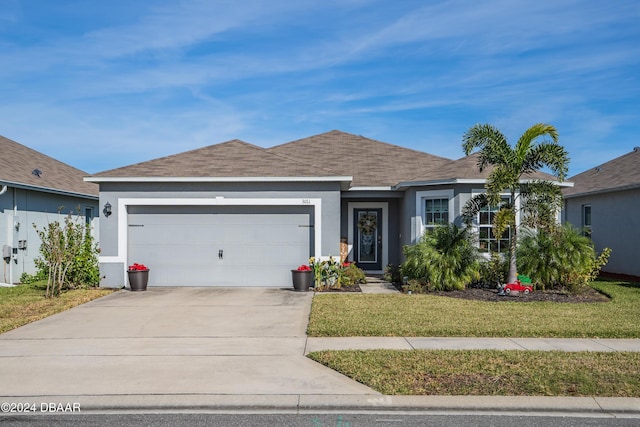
<point>350,288</point>
<point>482,294</point>
<point>587,295</point>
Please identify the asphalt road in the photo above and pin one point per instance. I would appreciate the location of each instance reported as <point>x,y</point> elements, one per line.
<point>311,420</point>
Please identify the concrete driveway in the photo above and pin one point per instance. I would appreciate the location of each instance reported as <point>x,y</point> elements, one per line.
<point>171,341</point>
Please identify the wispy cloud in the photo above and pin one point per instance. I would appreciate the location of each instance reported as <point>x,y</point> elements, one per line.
<point>156,77</point>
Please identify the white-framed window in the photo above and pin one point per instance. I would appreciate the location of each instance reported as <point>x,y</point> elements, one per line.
<point>436,212</point>
<point>433,208</point>
<point>586,220</point>
<point>483,225</point>
<point>487,240</point>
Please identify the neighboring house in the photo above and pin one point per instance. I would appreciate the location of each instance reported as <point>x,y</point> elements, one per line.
<point>35,189</point>
<point>234,214</point>
<point>604,203</point>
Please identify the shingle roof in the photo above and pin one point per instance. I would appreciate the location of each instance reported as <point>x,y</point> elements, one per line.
<point>18,162</point>
<point>229,159</point>
<point>467,168</point>
<point>618,174</point>
<point>371,163</point>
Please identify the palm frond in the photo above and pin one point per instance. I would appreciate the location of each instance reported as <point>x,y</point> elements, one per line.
<point>505,218</point>
<point>473,206</point>
<point>528,139</point>
<point>553,156</point>
<point>500,180</point>
<point>492,144</point>
<point>527,144</point>
<point>541,202</point>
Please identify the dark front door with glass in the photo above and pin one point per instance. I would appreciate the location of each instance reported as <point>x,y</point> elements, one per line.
<point>367,245</point>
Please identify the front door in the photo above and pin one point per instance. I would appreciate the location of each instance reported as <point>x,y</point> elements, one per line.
<point>368,238</point>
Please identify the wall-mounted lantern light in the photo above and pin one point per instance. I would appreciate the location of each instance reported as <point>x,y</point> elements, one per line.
<point>107,209</point>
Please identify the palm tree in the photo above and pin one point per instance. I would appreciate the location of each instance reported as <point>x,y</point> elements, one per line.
<point>537,148</point>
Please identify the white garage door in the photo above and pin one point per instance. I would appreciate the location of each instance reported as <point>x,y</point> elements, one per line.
<point>220,245</point>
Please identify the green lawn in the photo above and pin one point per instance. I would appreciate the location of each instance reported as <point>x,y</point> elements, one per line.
<point>26,303</point>
<point>490,372</point>
<point>342,314</point>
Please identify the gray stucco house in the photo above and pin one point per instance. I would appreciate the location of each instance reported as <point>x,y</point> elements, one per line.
<point>234,214</point>
<point>604,202</point>
<point>36,189</point>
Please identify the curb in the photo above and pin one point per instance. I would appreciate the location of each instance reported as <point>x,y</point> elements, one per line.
<point>294,403</point>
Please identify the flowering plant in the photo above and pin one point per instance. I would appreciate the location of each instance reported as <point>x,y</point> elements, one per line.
<point>304,267</point>
<point>330,273</point>
<point>138,267</point>
<point>326,272</point>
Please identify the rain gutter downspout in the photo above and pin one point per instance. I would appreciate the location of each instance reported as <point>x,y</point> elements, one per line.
<point>4,265</point>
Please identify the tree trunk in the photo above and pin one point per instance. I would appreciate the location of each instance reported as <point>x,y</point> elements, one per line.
<point>513,268</point>
<point>512,276</point>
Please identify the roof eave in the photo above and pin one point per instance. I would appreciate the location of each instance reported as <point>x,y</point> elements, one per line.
<point>49,190</point>
<point>432,182</point>
<point>344,181</point>
<point>217,178</point>
<point>482,181</point>
<point>371,188</point>
<point>603,191</point>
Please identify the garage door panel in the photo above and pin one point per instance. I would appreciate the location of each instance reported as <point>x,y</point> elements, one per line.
<point>165,234</point>
<point>168,256</point>
<point>220,246</point>
<point>180,277</point>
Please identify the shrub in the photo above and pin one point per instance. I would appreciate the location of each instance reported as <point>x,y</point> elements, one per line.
<point>493,271</point>
<point>69,255</point>
<point>444,258</point>
<point>84,270</point>
<point>392,274</point>
<point>561,257</point>
<point>416,286</point>
<point>350,274</point>
<point>331,274</point>
<point>26,278</point>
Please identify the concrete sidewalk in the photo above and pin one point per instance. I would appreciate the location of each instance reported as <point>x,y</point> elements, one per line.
<point>232,350</point>
<point>443,343</point>
<point>598,407</point>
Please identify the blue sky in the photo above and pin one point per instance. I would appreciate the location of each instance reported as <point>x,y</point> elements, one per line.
<point>102,84</point>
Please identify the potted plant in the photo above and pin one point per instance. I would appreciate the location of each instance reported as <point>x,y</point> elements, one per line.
<point>302,278</point>
<point>138,277</point>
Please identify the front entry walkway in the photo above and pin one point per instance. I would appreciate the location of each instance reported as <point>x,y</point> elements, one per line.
<point>377,285</point>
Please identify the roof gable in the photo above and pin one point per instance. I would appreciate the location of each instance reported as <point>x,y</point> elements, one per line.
<point>18,166</point>
<point>371,163</point>
<point>618,174</point>
<point>233,158</point>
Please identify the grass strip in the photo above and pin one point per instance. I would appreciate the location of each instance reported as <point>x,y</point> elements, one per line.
<point>26,303</point>
<point>489,372</point>
<point>341,315</point>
